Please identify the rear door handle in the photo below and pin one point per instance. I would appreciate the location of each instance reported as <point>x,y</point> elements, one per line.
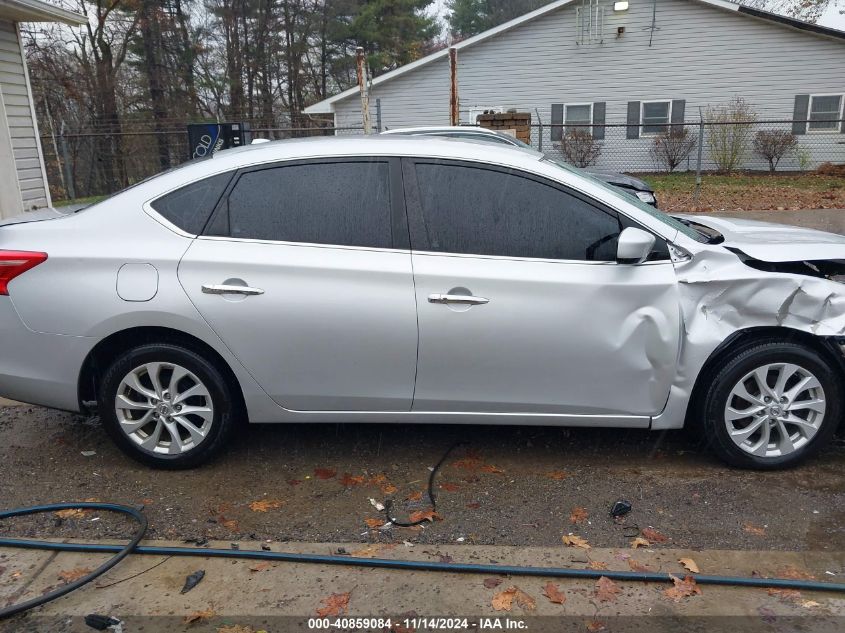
<point>223,289</point>
<point>465,299</point>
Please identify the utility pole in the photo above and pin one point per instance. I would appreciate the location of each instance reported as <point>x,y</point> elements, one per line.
<point>454,103</point>
<point>361,68</point>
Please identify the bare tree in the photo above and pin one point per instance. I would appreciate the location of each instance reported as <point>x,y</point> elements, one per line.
<point>673,147</point>
<point>773,145</point>
<point>580,148</point>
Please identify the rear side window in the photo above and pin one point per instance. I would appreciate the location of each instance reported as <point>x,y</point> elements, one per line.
<point>189,207</point>
<point>485,212</point>
<point>345,203</point>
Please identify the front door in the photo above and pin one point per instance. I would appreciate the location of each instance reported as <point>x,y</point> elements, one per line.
<point>305,283</point>
<point>522,307</point>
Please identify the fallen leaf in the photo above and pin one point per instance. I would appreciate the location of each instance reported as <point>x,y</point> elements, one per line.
<point>324,473</point>
<point>654,536</point>
<point>690,565</point>
<point>473,505</point>
<point>71,513</point>
<point>597,564</point>
<point>264,505</point>
<point>197,616</point>
<point>372,550</point>
<point>349,481</point>
<point>606,590</point>
<point>810,604</point>
<point>449,487</point>
<point>487,468</point>
<point>335,604</point>
<point>756,530</point>
<point>682,589</point>
<point>503,601</point>
<point>237,628</point>
<point>467,463</point>
<point>793,573</point>
<point>374,523</point>
<point>637,566</point>
<point>594,626</point>
<point>389,489</point>
<point>260,567</point>
<point>557,475</point>
<point>415,496</point>
<point>230,524</point>
<point>377,480</point>
<point>424,515</point>
<point>578,515</point>
<point>788,596</point>
<point>553,593</point>
<point>72,575</point>
<point>639,542</point>
<point>491,583</point>
<point>575,541</point>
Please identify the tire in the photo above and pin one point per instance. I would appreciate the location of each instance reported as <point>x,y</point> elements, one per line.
<point>804,404</point>
<point>200,410</point>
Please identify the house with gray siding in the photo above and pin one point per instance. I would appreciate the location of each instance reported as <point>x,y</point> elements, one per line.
<point>23,179</point>
<point>629,69</point>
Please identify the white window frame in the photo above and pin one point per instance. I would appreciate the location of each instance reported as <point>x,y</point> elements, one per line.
<point>566,126</point>
<point>642,116</point>
<point>831,130</point>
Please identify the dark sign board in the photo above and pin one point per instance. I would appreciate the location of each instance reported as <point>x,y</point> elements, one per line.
<point>206,138</point>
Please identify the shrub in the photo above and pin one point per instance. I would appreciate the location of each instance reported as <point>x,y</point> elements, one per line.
<point>672,148</point>
<point>773,145</point>
<point>829,169</point>
<point>729,133</point>
<point>580,148</point>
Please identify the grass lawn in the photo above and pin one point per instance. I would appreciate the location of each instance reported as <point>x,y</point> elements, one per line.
<point>86,201</point>
<point>748,191</point>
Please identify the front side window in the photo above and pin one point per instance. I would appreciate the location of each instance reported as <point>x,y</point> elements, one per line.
<point>479,211</point>
<point>190,206</point>
<point>825,112</point>
<point>656,116</point>
<point>578,116</point>
<point>346,203</point>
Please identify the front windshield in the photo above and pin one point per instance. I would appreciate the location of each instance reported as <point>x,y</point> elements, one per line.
<point>666,219</point>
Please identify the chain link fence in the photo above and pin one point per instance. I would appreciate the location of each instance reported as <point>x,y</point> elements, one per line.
<point>99,162</point>
<point>758,146</point>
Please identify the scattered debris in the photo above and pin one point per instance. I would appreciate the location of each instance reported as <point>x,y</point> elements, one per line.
<point>557,475</point>
<point>553,593</point>
<point>606,590</point>
<point>198,616</point>
<point>424,515</point>
<point>597,565</point>
<point>378,506</point>
<point>690,565</point>
<point>265,504</point>
<point>324,473</point>
<point>71,513</point>
<point>654,536</point>
<point>88,453</point>
<point>193,580</point>
<point>793,573</point>
<point>639,542</point>
<point>682,589</point>
<point>620,508</point>
<point>756,530</point>
<point>594,626</point>
<point>578,515</point>
<point>503,601</point>
<point>336,604</point>
<point>492,583</point>
<point>374,523</point>
<point>102,622</point>
<point>72,575</point>
<point>575,541</point>
<point>638,566</point>
<point>260,566</point>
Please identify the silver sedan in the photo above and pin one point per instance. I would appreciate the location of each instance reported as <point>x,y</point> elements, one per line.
<point>400,279</point>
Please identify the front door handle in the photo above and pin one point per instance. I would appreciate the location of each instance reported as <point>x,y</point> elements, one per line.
<point>464,299</point>
<point>223,289</point>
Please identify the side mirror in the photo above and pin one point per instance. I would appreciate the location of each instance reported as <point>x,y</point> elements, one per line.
<point>634,246</point>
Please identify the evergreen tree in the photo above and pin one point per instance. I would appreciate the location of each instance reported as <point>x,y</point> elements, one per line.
<point>469,17</point>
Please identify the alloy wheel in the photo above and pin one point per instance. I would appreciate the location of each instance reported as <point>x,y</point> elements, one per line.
<point>775,410</point>
<point>164,408</point>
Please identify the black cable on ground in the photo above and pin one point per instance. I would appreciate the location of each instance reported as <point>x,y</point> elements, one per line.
<point>120,551</point>
<point>388,504</point>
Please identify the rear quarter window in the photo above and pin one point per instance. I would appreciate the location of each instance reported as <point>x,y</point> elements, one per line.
<point>189,207</point>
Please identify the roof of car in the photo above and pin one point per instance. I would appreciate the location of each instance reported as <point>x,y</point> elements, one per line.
<point>442,128</point>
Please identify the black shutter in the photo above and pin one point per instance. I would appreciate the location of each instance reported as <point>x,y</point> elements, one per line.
<point>678,108</point>
<point>633,120</point>
<point>557,121</point>
<point>598,120</point>
<point>800,114</point>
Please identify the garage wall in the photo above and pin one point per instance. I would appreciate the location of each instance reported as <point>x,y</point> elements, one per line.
<point>21,126</point>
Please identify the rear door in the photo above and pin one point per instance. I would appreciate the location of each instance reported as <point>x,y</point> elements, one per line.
<point>522,306</point>
<point>305,273</point>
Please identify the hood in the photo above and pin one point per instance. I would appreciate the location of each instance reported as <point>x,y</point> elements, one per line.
<point>47,213</point>
<point>620,180</point>
<point>771,242</point>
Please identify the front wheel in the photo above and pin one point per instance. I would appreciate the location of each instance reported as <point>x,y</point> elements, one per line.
<point>772,406</point>
<point>166,406</point>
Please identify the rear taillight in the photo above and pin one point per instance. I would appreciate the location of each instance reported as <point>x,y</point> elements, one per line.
<point>14,263</point>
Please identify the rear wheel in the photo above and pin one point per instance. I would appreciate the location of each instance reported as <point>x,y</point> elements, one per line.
<point>166,406</point>
<point>772,406</point>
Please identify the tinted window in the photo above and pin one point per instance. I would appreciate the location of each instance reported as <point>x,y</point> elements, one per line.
<point>485,212</point>
<point>189,207</point>
<point>322,203</point>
